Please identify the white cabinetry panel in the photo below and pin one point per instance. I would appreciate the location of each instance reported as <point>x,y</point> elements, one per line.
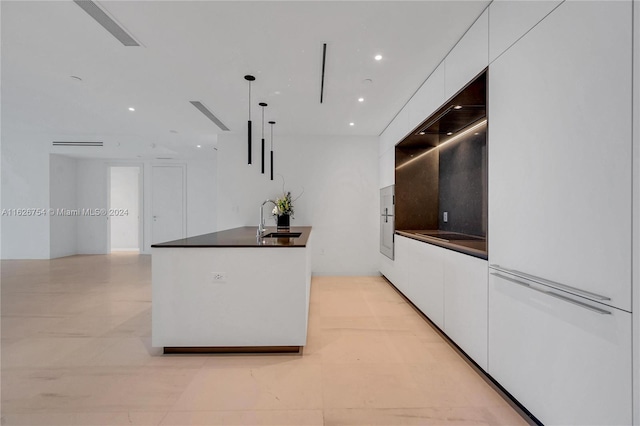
<point>560,151</point>
<point>465,303</point>
<point>468,57</point>
<point>387,168</point>
<point>395,131</point>
<point>426,280</point>
<point>428,98</point>
<point>402,255</point>
<point>511,19</point>
<point>566,364</point>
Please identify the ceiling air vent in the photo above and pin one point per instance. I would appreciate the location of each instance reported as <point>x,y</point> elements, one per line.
<point>77,143</point>
<point>203,109</point>
<point>107,22</point>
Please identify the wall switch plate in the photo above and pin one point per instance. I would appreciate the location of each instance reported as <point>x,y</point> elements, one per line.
<point>219,277</point>
<point>445,217</point>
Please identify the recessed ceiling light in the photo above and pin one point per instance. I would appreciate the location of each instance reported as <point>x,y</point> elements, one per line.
<point>449,133</point>
<point>377,57</point>
<point>352,124</point>
<point>457,107</point>
<point>422,133</point>
<point>360,99</point>
<point>198,146</point>
<point>132,109</point>
<point>476,133</point>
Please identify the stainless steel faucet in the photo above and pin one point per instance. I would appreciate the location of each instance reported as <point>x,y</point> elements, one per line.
<point>261,224</point>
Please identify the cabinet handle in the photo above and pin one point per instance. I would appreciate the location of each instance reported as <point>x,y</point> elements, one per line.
<point>552,294</point>
<point>557,286</point>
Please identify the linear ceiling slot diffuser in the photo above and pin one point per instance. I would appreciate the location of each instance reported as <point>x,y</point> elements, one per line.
<point>77,143</point>
<point>203,109</point>
<point>107,22</point>
<point>324,61</point>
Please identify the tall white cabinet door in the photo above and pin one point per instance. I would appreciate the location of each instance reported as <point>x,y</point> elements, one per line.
<point>468,57</point>
<point>566,363</point>
<point>560,151</point>
<point>387,168</point>
<point>465,303</point>
<point>511,19</point>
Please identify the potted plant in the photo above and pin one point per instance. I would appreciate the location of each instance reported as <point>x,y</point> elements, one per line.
<point>283,211</point>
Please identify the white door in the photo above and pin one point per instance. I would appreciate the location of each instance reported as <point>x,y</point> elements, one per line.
<point>167,204</point>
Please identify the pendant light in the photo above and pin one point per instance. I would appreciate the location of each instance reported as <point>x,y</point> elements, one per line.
<point>249,78</point>
<point>272,123</point>
<point>262,104</point>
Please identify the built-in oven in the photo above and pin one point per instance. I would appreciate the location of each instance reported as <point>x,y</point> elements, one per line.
<point>387,220</point>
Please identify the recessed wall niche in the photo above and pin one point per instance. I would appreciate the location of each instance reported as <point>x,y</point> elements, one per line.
<point>441,167</point>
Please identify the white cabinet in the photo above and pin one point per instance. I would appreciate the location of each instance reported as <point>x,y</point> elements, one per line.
<point>511,19</point>
<point>387,168</point>
<point>428,98</point>
<point>465,303</point>
<point>564,362</point>
<point>450,288</point>
<point>560,151</point>
<point>468,57</point>
<point>426,280</point>
<point>402,255</point>
<point>395,131</point>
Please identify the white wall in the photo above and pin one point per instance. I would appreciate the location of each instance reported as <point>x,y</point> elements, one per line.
<point>124,196</point>
<point>339,175</point>
<point>62,195</point>
<point>25,184</point>
<point>201,197</point>
<point>92,193</point>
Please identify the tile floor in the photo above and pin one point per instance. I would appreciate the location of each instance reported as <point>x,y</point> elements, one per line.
<point>76,350</point>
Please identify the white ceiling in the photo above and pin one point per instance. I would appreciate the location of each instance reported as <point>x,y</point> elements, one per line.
<point>200,50</point>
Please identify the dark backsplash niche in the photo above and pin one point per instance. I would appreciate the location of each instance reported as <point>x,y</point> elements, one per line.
<point>416,189</point>
<point>463,186</point>
<point>441,166</point>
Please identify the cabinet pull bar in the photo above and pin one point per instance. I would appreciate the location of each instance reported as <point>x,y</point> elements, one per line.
<point>558,286</point>
<point>556,295</point>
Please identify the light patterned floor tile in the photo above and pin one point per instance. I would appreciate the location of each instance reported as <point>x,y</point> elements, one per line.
<point>76,350</point>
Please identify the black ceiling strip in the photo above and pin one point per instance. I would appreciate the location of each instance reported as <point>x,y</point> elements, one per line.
<point>324,61</point>
<point>78,143</point>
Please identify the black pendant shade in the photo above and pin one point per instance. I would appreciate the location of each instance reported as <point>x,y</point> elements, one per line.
<point>272,123</point>
<point>249,78</point>
<point>262,104</point>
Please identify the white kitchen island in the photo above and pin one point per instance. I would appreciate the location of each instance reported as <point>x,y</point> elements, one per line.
<point>230,291</point>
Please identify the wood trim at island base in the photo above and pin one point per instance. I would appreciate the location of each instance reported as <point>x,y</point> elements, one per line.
<point>230,349</point>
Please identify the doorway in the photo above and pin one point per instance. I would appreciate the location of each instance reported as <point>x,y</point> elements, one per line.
<point>124,208</point>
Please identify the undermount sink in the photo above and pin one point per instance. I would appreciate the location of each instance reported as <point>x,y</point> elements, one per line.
<point>283,235</point>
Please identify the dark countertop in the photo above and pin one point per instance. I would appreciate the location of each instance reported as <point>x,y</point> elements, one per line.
<point>240,237</point>
<point>473,246</point>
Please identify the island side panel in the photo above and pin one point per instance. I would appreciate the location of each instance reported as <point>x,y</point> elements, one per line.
<point>263,301</point>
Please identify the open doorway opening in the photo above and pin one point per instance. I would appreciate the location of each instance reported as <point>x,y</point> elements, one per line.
<point>124,208</point>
